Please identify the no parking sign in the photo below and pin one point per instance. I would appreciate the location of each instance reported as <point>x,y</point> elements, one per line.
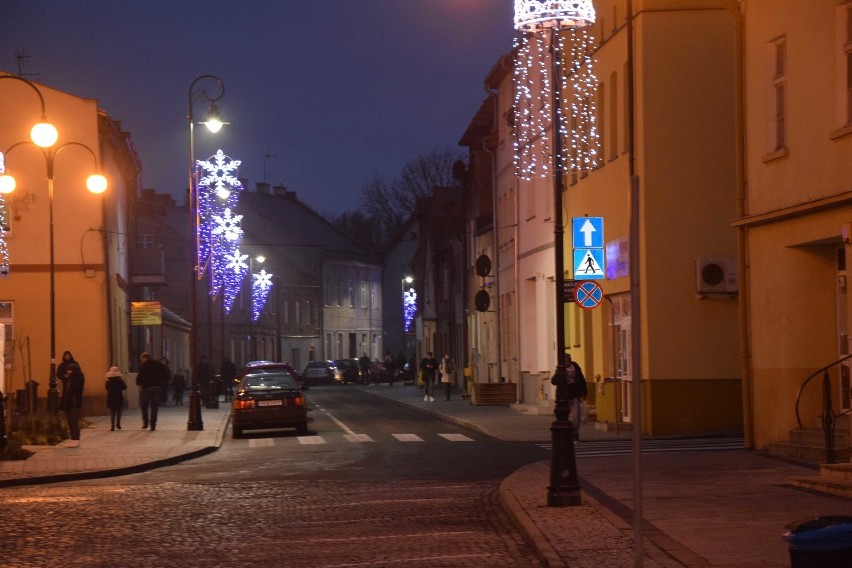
<point>588,295</point>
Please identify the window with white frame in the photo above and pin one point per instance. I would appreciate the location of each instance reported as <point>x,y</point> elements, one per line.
<point>351,294</point>
<point>363,294</point>
<point>777,95</point>
<point>844,60</point>
<point>374,295</point>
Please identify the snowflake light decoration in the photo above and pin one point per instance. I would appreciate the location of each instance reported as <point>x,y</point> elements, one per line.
<point>219,168</point>
<point>409,307</point>
<point>260,288</point>
<point>227,226</point>
<point>548,31</point>
<point>233,273</point>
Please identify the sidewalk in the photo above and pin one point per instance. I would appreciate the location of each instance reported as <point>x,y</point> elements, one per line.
<point>103,453</point>
<point>726,508</point>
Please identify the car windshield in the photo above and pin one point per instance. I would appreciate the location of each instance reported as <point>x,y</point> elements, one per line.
<point>316,365</point>
<point>269,382</point>
<point>344,364</point>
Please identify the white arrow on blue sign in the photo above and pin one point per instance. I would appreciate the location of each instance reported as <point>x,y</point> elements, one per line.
<point>588,232</point>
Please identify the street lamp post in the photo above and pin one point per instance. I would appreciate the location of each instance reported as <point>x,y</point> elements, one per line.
<point>214,124</point>
<point>44,136</point>
<point>535,20</point>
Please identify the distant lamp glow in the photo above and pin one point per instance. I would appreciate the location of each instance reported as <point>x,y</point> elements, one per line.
<point>44,135</point>
<point>96,183</point>
<point>7,183</point>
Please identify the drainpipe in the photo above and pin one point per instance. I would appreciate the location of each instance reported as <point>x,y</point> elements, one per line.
<point>737,8</point>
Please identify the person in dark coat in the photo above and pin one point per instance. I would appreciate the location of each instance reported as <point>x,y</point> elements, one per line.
<point>576,377</point>
<point>164,390</point>
<point>152,375</point>
<point>67,359</point>
<point>178,386</point>
<point>428,366</point>
<point>390,366</point>
<point>229,373</point>
<point>72,401</point>
<point>115,387</point>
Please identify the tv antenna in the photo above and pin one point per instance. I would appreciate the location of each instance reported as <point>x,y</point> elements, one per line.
<point>21,57</point>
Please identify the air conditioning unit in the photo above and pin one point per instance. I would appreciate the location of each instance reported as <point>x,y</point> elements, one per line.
<point>716,276</point>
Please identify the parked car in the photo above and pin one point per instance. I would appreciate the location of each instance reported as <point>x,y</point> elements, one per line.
<point>350,370</point>
<point>257,366</point>
<point>321,372</point>
<point>268,399</point>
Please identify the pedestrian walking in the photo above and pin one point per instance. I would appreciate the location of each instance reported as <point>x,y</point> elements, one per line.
<point>178,386</point>
<point>447,370</point>
<point>364,365</point>
<point>115,387</point>
<point>229,373</point>
<point>72,401</point>
<point>164,388</point>
<point>576,377</point>
<point>428,366</point>
<point>152,374</point>
<point>390,366</point>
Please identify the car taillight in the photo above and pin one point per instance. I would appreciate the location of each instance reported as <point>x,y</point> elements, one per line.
<point>299,400</point>
<point>242,404</point>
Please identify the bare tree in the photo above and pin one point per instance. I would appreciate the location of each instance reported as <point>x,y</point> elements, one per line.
<point>390,204</point>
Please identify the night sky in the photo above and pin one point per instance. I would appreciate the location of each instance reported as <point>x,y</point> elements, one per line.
<point>334,92</point>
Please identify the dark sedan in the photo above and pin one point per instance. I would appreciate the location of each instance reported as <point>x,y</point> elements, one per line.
<point>270,399</point>
<point>350,370</point>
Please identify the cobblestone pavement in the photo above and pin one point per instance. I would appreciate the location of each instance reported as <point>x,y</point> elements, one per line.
<point>329,524</point>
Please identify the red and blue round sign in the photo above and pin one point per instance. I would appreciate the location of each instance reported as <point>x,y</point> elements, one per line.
<point>588,295</point>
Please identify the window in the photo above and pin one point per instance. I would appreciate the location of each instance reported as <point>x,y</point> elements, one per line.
<point>297,309</point>
<point>777,120</point>
<point>625,141</point>
<point>363,294</point>
<point>327,294</point>
<point>601,125</point>
<point>308,312</point>
<point>351,295</point>
<point>374,295</point>
<point>844,96</point>
<point>7,322</point>
<point>144,242</point>
<point>286,306</point>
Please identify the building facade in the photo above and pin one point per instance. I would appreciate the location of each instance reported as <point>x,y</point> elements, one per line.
<point>90,261</point>
<point>794,211</point>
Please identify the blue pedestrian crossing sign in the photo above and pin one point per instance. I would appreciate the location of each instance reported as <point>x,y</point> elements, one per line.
<point>588,264</point>
<point>588,232</point>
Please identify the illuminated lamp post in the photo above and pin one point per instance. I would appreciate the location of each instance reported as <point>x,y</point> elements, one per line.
<point>542,96</point>
<point>214,124</point>
<point>96,183</point>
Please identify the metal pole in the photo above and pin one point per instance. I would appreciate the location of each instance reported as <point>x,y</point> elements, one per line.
<point>564,488</point>
<point>194,422</point>
<point>53,390</point>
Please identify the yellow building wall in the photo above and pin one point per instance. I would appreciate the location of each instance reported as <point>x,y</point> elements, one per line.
<point>80,320</point>
<point>685,160</point>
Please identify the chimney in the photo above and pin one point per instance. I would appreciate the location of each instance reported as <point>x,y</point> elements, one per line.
<point>262,187</point>
<point>279,190</point>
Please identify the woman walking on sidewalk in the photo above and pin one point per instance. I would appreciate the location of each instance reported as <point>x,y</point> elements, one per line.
<point>447,370</point>
<point>115,387</point>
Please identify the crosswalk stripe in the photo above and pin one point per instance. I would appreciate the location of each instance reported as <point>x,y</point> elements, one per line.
<point>358,438</point>
<point>311,440</point>
<point>408,437</point>
<point>456,437</point>
<point>261,442</point>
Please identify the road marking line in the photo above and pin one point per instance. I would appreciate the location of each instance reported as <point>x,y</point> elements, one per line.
<point>456,437</point>
<point>310,440</point>
<point>261,442</point>
<point>408,437</point>
<point>358,437</point>
<point>342,426</point>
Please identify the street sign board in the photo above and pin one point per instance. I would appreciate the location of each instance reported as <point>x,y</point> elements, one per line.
<point>589,263</point>
<point>588,295</point>
<point>587,232</point>
<point>568,287</point>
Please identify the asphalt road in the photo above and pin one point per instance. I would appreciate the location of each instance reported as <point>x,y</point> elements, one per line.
<point>374,484</point>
